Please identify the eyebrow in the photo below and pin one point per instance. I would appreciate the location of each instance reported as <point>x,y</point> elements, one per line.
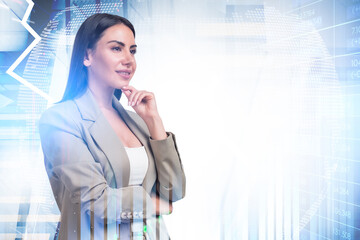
<point>121,43</point>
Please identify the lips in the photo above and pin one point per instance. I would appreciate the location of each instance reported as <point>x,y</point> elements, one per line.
<point>124,73</point>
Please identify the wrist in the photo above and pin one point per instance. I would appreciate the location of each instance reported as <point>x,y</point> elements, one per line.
<point>152,119</point>
<point>156,128</point>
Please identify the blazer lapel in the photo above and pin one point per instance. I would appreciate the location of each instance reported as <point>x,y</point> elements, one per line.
<point>105,137</point>
<point>142,134</point>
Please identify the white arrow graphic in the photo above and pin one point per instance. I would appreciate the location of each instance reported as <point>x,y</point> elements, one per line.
<point>37,39</point>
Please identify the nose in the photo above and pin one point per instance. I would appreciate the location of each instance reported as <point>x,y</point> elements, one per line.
<point>128,59</point>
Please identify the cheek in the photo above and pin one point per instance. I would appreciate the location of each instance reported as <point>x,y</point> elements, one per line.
<point>107,67</point>
<point>105,60</point>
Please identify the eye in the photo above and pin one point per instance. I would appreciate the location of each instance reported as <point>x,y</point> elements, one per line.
<point>133,51</point>
<point>117,49</point>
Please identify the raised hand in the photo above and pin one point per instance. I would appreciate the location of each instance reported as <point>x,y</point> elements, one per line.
<point>144,104</point>
<point>141,101</point>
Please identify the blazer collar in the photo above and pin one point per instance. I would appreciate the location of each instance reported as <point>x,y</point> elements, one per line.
<point>87,106</point>
<point>109,142</point>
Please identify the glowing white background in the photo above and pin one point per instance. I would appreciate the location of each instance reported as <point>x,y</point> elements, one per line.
<point>237,116</point>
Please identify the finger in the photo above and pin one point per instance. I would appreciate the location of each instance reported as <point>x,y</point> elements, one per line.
<point>147,96</point>
<point>135,98</point>
<point>130,88</point>
<point>142,96</point>
<point>155,201</point>
<point>126,92</point>
<point>131,97</point>
<point>165,207</point>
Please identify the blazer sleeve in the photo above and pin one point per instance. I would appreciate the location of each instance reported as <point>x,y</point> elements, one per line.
<point>170,172</point>
<point>70,166</point>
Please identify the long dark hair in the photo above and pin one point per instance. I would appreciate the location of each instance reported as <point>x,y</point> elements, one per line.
<point>89,33</point>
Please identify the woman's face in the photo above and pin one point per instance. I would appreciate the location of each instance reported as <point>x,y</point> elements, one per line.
<point>112,64</point>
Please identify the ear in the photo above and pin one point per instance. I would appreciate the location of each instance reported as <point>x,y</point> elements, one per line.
<point>87,58</point>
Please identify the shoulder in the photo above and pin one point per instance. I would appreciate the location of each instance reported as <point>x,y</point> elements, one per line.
<point>62,115</point>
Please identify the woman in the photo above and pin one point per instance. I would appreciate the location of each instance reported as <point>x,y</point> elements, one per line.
<point>113,172</point>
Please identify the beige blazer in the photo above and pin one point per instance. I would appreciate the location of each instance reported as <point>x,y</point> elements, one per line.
<point>88,169</point>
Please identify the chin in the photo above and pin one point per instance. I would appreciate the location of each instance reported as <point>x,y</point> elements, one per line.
<point>120,84</point>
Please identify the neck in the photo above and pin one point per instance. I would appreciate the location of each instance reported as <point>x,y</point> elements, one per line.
<point>102,96</point>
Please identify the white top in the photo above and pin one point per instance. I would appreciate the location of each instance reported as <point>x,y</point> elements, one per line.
<point>138,164</point>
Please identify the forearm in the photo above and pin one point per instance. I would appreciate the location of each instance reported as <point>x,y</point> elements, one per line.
<point>170,172</point>
<point>156,127</point>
